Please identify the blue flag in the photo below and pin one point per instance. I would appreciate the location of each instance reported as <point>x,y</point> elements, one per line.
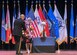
<point>3,31</point>
<point>72,24</point>
<point>51,25</point>
<point>55,21</point>
<point>31,14</point>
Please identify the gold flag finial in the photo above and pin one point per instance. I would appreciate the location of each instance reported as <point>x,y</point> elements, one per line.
<point>27,2</point>
<point>7,1</point>
<point>18,1</point>
<point>14,3</point>
<point>36,3</point>
<point>3,3</point>
<point>39,3</point>
<point>32,4</point>
<point>49,3</point>
<point>43,3</point>
<point>72,3</point>
<point>65,1</point>
<point>54,2</point>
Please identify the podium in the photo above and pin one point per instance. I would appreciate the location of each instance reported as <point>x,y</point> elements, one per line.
<point>46,45</point>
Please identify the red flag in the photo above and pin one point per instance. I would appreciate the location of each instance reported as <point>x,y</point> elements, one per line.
<point>44,19</point>
<point>8,27</point>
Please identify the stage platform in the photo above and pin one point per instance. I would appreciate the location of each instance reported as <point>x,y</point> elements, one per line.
<point>56,53</point>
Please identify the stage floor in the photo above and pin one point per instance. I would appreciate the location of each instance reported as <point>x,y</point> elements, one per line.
<point>24,53</point>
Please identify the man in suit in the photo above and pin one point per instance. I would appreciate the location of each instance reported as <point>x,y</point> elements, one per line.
<point>19,25</point>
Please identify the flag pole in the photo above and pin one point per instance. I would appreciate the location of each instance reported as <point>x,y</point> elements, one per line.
<point>27,2</point>
<point>18,2</point>
<point>58,49</point>
<point>58,43</point>
<point>71,39</point>
<point>39,3</point>
<point>44,5</point>
<point>36,3</point>
<point>14,3</point>
<point>49,3</point>
<point>44,23</point>
<point>26,19</point>
<point>2,41</point>
<point>66,7</point>
<point>7,4</point>
<point>6,27</point>
<point>26,7</point>
<point>76,37</point>
<point>13,40</point>
<point>18,12</point>
<point>32,5</point>
<point>7,42</point>
<point>65,22</point>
